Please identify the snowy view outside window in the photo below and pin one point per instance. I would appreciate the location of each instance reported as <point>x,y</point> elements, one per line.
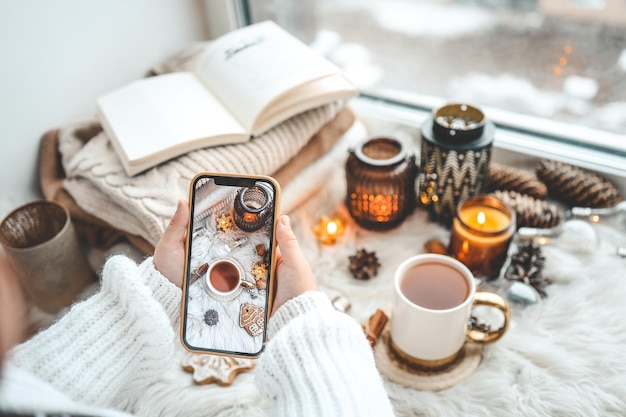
<point>560,60</point>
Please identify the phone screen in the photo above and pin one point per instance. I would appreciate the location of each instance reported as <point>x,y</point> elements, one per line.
<point>230,248</point>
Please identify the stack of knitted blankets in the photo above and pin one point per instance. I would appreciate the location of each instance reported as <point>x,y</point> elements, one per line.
<point>80,168</point>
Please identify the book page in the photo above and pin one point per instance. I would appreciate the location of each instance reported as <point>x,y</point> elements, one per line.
<point>250,67</point>
<point>318,92</point>
<point>167,115</point>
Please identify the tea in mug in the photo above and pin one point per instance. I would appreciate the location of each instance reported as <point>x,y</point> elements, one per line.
<point>435,286</point>
<point>224,276</point>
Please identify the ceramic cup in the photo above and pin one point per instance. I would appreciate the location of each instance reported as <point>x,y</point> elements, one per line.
<point>224,278</point>
<point>45,253</point>
<point>433,298</point>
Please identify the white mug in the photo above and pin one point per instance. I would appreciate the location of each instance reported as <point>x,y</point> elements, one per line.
<point>224,279</point>
<point>434,297</point>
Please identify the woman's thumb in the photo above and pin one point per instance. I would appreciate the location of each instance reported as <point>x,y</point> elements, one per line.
<point>175,231</point>
<point>289,247</point>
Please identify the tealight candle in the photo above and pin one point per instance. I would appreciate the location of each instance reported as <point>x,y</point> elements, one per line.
<point>328,229</point>
<point>482,230</point>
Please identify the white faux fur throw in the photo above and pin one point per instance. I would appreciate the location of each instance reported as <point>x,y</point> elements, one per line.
<point>570,360</point>
<point>143,205</point>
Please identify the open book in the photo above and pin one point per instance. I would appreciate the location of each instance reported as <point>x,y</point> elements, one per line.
<point>244,83</point>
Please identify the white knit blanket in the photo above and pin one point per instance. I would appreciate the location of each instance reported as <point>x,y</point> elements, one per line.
<point>568,361</point>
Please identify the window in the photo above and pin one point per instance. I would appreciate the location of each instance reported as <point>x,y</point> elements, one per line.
<point>553,68</point>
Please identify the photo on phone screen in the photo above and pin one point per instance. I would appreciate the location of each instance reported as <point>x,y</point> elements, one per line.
<point>226,294</point>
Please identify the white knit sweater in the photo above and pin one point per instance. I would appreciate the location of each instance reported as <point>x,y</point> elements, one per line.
<point>107,349</point>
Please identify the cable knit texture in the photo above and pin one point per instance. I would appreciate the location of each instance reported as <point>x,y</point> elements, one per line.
<point>166,293</point>
<point>142,205</point>
<point>109,347</point>
<point>318,363</point>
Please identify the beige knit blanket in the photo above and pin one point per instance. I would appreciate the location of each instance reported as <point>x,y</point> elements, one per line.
<point>143,205</point>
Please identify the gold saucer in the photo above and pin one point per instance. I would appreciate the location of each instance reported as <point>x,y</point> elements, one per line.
<point>396,369</point>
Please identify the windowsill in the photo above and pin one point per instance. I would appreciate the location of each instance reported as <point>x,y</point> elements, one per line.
<point>512,146</point>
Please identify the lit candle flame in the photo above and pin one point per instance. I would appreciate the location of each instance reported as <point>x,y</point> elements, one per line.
<point>328,229</point>
<point>481,218</point>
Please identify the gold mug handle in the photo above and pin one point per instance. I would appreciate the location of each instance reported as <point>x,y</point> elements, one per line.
<point>489,299</point>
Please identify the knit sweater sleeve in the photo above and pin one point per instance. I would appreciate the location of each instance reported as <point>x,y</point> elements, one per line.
<point>319,363</point>
<point>106,349</point>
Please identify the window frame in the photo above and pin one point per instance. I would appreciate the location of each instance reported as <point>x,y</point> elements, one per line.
<point>577,145</point>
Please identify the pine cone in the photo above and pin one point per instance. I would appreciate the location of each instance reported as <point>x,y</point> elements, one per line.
<point>575,186</point>
<point>502,177</point>
<point>364,265</point>
<point>527,266</point>
<point>530,212</point>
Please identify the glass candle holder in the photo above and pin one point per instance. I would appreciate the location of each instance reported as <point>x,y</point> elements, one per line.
<point>252,207</point>
<point>380,176</point>
<point>482,230</point>
<point>455,156</point>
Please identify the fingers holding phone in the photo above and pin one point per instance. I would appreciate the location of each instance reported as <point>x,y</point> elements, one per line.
<point>293,273</point>
<point>169,253</point>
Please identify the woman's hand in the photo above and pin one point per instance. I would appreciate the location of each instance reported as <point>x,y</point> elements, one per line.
<point>293,273</point>
<point>169,253</point>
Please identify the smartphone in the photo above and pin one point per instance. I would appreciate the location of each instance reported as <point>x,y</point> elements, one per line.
<point>229,270</point>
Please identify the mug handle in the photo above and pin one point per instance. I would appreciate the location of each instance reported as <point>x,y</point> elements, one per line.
<point>489,299</point>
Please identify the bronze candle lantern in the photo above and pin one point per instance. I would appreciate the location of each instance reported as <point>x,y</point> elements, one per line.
<point>454,164</point>
<point>380,176</point>
<point>252,207</point>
